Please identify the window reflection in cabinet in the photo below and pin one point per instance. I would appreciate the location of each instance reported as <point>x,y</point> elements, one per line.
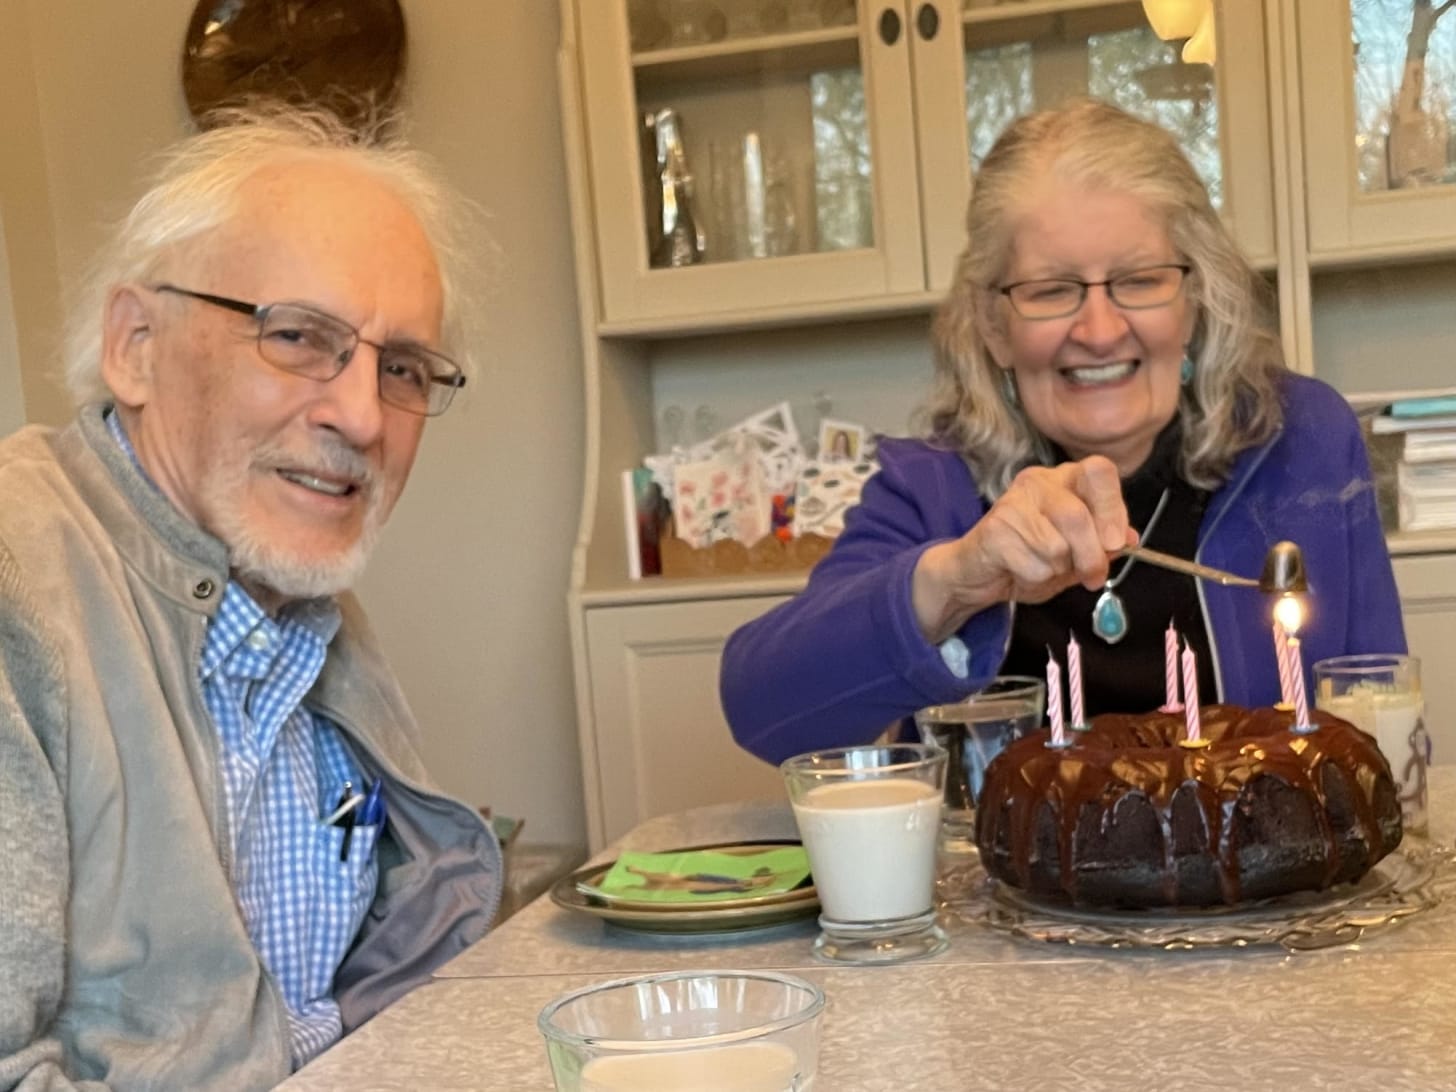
<point>1016,65</point>
<point>1405,93</point>
<point>1380,151</point>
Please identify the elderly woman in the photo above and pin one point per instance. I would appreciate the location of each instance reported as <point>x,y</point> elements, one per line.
<point>1107,375</point>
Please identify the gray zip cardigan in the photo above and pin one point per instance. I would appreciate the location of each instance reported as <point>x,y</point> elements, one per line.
<point>124,959</point>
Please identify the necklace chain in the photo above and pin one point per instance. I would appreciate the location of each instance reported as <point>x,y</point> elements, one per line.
<point>1147,530</point>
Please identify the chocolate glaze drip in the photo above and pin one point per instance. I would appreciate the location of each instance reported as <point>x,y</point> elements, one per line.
<point>1128,817</point>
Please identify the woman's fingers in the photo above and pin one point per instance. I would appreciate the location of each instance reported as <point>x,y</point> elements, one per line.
<point>1100,487</point>
<point>1053,528</point>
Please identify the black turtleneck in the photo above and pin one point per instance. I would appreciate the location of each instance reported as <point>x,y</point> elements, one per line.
<point>1128,677</point>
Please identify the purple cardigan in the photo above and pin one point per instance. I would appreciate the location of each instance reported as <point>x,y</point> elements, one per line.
<point>845,659</point>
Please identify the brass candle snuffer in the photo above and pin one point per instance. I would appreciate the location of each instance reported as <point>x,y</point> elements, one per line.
<point>1283,569</point>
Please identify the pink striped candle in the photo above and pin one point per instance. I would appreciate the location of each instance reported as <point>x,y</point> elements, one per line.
<point>1054,701</point>
<point>1170,669</point>
<point>1286,670</point>
<point>1074,681</point>
<point>1190,696</point>
<point>1301,705</point>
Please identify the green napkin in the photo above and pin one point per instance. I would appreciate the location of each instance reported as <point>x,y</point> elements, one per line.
<point>703,875</point>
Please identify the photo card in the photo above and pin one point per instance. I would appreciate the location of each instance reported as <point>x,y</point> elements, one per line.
<point>841,441</point>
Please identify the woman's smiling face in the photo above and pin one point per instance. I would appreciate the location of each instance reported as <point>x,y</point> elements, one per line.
<point>1103,380</point>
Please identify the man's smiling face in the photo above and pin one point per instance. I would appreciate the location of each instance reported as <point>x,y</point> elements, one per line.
<point>294,475</point>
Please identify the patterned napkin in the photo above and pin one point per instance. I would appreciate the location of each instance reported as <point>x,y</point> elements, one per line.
<point>702,875</point>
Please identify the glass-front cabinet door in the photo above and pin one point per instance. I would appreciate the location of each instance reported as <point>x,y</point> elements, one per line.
<point>1379,84</point>
<point>757,156</point>
<point>748,155</point>
<point>1015,56</point>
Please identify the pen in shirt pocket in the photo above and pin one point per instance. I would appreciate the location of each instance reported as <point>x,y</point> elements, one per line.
<point>346,815</point>
<point>372,811</point>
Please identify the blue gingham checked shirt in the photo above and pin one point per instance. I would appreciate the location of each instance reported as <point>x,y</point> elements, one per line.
<point>284,769</point>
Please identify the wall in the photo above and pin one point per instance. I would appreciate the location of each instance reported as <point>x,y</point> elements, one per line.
<point>33,292</point>
<point>12,399</point>
<point>468,588</point>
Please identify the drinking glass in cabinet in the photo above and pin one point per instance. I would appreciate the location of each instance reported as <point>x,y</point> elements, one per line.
<point>1405,93</point>
<point>753,200</point>
<point>648,25</point>
<point>693,22</point>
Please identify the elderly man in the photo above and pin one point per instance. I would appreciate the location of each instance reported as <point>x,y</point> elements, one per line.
<point>219,849</point>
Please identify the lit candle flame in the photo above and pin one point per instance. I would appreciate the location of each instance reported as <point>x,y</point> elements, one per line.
<point>1289,613</point>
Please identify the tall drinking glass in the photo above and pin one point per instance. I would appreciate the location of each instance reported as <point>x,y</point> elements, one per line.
<point>1381,695</point>
<point>868,817</point>
<point>972,733</point>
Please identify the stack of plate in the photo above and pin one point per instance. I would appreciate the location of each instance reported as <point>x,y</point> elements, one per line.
<point>581,891</point>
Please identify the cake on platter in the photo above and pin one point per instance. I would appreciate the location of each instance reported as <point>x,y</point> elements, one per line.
<point>1127,816</point>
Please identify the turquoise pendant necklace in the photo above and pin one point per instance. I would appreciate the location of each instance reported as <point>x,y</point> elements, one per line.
<point>1109,616</point>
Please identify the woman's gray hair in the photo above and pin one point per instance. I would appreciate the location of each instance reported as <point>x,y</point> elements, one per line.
<point>195,188</point>
<point>1232,402</point>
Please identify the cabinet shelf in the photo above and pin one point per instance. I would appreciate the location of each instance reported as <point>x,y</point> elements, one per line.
<point>661,589</point>
<point>783,54</point>
<point>1067,20</point>
<point>1410,543</point>
<point>1381,254</point>
<point>772,318</point>
<point>1022,9</point>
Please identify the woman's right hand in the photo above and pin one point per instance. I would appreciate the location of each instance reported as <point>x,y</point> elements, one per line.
<point>1053,528</point>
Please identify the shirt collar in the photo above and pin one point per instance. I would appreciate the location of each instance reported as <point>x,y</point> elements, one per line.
<point>118,433</point>
<point>244,641</point>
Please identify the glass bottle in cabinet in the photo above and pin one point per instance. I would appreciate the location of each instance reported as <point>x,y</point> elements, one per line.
<point>1387,69</point>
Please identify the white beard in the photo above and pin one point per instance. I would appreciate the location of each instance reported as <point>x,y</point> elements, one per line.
<point>261,561</point>
<point>265,563</point>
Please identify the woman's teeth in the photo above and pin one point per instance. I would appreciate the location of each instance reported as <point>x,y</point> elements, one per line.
<point>1104,373</point>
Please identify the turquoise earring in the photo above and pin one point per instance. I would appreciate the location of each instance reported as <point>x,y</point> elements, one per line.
<point>1185,373</point>
<point>1008,387</point>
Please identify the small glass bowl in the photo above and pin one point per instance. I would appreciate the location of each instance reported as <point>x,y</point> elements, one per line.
<point>708,1031</point>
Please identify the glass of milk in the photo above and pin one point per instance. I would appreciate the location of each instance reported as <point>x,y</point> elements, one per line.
<point>1381,695</point>
<point>869,818</point>
<point>973,732</point>
<point>704,1031</point>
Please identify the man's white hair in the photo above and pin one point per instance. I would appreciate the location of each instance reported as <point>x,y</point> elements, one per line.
<point>195,189</point>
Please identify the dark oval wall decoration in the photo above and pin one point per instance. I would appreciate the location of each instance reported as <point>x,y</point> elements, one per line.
<point>344,54</point>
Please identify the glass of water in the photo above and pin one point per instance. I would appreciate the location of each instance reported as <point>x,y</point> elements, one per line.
<point>973,732</point>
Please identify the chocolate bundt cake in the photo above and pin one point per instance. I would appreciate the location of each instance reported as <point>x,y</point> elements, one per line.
<point>1127,817</point>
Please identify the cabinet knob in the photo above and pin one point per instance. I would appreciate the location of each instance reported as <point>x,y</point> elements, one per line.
<point>889,26</point>
<point>927,21</point>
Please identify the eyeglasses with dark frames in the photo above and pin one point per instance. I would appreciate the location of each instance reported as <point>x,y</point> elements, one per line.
<point>305,341</point>
<point>1058,297</point>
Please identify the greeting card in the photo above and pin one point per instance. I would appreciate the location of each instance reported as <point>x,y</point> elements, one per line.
<point>826,491</point>
<point>721,497</point>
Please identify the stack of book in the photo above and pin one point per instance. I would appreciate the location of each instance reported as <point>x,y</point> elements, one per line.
<point>1426,474</point>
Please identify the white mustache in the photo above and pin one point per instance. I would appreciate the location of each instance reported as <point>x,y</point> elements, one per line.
<point>333,459</point>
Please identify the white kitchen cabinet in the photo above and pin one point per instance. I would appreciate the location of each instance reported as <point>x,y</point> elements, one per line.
<point>1379,77</point>
<point>821,273</point>
<point>824,148</point>
<point>1427,585</point>
<point>656,736</point>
